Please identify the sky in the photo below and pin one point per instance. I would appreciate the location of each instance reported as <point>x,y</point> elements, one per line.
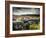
<point>22,11</point>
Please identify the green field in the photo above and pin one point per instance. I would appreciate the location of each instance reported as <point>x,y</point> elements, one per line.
<point>34,26</point>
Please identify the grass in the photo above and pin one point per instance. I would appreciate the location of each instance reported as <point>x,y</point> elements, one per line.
<point>35,26</point>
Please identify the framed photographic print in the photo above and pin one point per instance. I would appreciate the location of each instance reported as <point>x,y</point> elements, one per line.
<point>24,18</point>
